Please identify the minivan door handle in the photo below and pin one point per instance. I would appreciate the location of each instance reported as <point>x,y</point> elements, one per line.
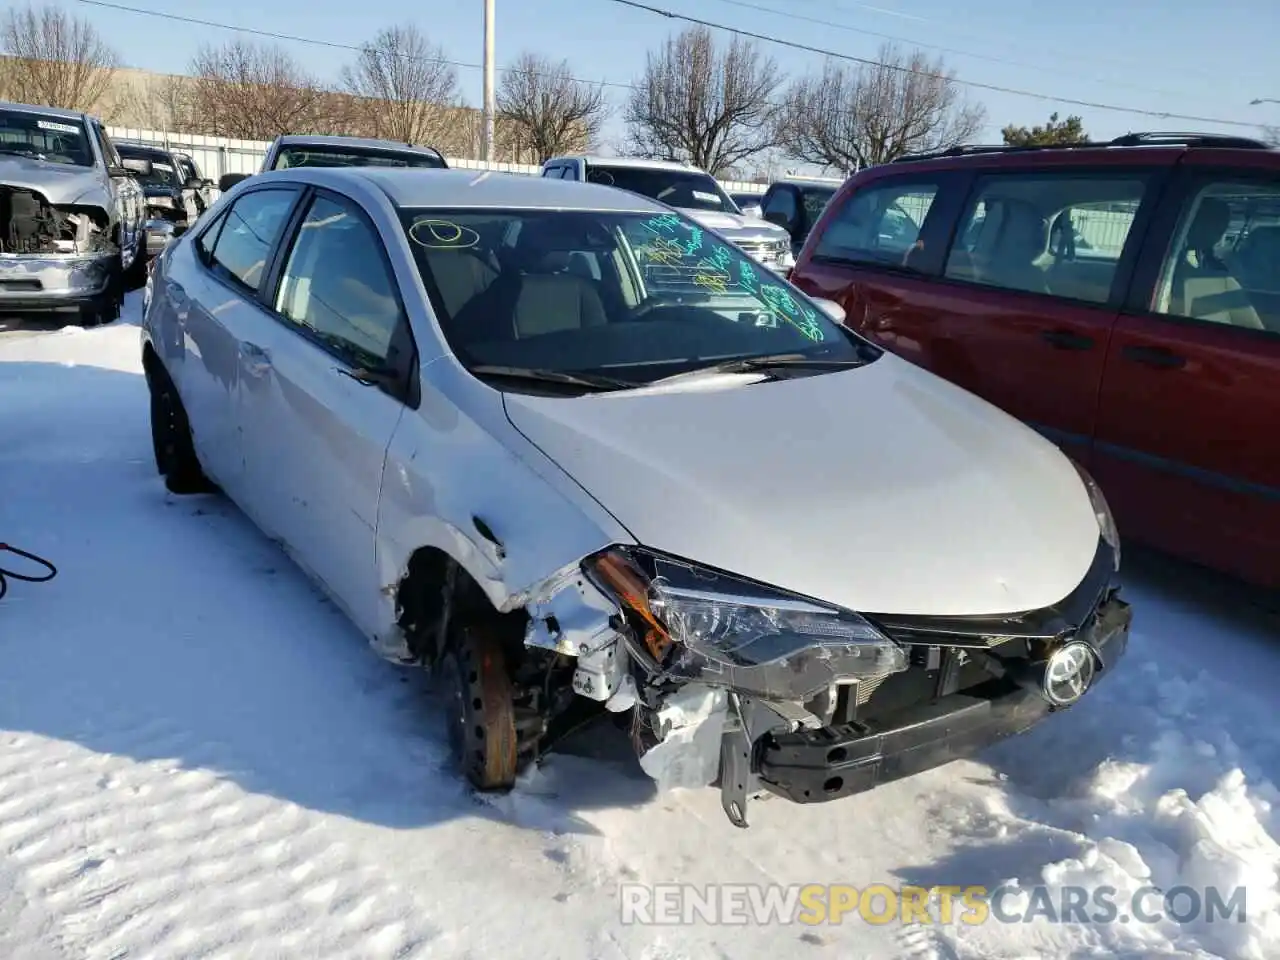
<point>1154,357</point>
<point>1067,340</point>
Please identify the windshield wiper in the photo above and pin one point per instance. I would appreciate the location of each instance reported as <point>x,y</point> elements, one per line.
<point>770,362</point>
<point>590,381</point>
<point>23,152</point>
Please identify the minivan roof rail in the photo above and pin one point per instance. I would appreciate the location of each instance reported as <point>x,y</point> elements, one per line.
<point>1142,139</point>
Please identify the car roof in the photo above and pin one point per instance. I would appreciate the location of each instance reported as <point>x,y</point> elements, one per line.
<point>43,111</point>
<point>407,187</point>
<point>367,143</point>
<point>1158,146</point>
<point>136,147</point>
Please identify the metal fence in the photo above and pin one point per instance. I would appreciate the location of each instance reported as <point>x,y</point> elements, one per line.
<point>216,156</point>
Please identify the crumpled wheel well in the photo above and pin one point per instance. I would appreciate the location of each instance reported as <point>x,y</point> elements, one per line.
<point>437,592</point>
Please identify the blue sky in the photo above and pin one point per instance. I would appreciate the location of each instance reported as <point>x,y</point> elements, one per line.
<point>1201,59</point>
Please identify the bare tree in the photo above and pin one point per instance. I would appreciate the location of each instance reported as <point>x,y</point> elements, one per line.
<point>848,118</point>
<point>710,107</point>
<point>166,103</point>
<point>55,59</point>
<point>548,111</point>
<point>410,83</point>
<point>256,93</point>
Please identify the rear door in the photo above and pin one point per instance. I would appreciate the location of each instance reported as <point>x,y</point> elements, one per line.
<point>334,370</point>
<point>1186,443</point>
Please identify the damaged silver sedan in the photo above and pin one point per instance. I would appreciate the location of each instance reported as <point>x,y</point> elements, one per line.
<point>579,455</point>
<point>70,215</point>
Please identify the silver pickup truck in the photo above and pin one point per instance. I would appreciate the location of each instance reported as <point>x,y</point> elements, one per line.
<point>71,215</point>
<point>692,191</point>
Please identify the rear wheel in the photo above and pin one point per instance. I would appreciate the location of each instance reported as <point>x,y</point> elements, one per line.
<point>481,708</point>
<point>175,454</point>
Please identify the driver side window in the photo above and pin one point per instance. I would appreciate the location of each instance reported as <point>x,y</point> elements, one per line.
<point>783,204</point>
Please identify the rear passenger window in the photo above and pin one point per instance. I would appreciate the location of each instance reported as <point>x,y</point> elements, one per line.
<point>878,225</point>
<point>1224,265</point>
<point>251,228</point>
<point>1058,235</point>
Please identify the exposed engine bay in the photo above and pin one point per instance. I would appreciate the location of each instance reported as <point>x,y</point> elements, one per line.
<point>30,225</point>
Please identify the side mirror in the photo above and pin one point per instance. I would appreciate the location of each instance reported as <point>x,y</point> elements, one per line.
<point>782,220</point>
<point>136,165</point>
<point>830,308</point>
<point>193,183</point>
<point>229,180</point>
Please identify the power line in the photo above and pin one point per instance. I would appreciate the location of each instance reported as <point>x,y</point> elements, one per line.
<point>994,88</point>
<point>849,28</point>
<point>356,48</point>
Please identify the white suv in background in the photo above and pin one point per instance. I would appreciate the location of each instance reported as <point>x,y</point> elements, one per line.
<point>691,191</point>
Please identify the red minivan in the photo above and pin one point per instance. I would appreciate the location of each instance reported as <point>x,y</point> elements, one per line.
<point>1122,298</point>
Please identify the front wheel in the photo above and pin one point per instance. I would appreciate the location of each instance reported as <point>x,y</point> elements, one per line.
<point>481,708</point>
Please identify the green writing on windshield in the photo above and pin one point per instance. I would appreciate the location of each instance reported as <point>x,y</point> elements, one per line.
<point>682,248</point>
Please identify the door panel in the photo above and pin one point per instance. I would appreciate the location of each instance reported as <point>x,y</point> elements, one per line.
<point>1186,449</point>
<point>317,425</point>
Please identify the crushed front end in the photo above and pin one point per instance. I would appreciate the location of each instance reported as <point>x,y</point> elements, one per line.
<point>766,691</point>
<point>52,256</point>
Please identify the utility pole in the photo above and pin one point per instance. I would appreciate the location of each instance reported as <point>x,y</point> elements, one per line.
<point>489,105</point>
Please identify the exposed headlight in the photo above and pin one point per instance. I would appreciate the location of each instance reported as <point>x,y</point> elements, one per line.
<point>724,631</point>
<point>160,202</point>
<point>1101,509</point>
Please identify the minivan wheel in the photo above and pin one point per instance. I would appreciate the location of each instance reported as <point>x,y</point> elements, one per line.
<point>171,444</point>
<point>481,709</point>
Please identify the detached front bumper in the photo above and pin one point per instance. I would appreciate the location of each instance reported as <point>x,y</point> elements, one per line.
<point>53,281</point>
<point>815,766</point>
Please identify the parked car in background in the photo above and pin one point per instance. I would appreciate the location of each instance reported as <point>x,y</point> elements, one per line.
<point>796,203</point>
<point>70,215</point>
<point>486,415</point>
<point>305,150</point>
<point>1123,298</point>
<point>748,203</point>
<point>174,194</point>
<point>191,172</point>
<point>688,189</point>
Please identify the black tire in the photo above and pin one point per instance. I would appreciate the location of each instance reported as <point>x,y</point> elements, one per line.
<point>175,454</point>
<point>481,709</point>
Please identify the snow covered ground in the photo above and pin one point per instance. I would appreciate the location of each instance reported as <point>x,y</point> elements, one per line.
<point>199,757</point>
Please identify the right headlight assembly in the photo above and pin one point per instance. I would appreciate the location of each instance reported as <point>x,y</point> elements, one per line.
<point>715,628</point>
<point>1102,511</point>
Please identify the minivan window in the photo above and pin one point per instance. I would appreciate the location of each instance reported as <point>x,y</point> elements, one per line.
<point>1224,263</point>
<point>1053,234</point>
<point>252,225</point>
<point>637,296</point>
<point>880,224</point>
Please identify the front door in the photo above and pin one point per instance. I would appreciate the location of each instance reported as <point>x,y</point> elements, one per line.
<point>1186,445</point>
<point>323,393</point>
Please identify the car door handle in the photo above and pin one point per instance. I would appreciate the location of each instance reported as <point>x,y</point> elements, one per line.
<point>1154,357</point>
<point>1066,340</point>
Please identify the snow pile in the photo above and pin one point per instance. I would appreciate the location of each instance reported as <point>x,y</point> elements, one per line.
<point>200,757</point>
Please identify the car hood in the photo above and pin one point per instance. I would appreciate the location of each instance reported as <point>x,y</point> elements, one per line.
<point>57,182</point>
<point>732,224</point>
<point>882,489</point>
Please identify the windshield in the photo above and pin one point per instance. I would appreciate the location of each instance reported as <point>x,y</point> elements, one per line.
<point>162,173</point>
<point>55,139</point>
<point>631,296</point>
<point>687,189</point>
<point>313,155</point>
